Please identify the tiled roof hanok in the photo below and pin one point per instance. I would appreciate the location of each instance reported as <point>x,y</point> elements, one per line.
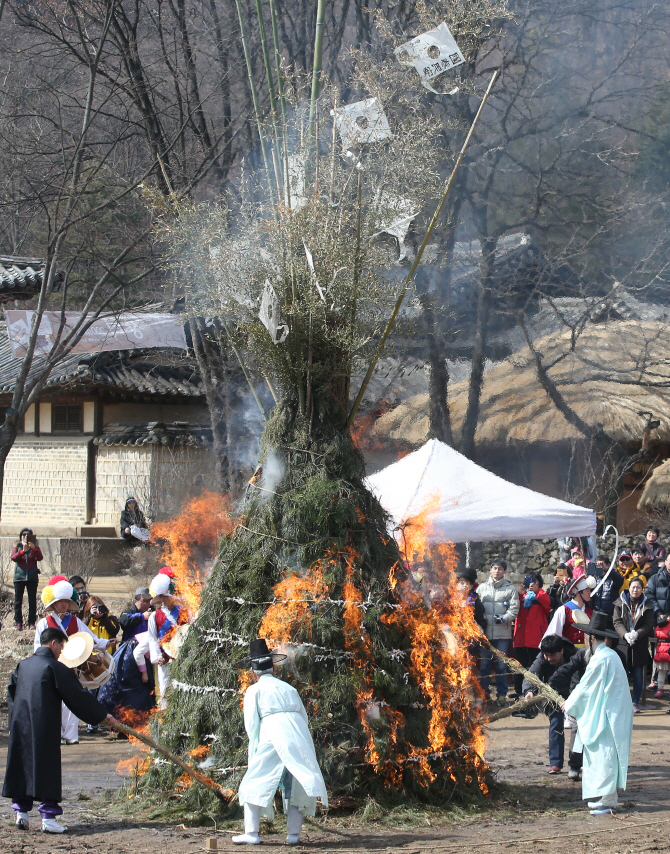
<point>159,372</point>
<point>21,278</point>
<point>155,433</point>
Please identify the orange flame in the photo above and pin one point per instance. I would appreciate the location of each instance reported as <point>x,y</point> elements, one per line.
<point>136,766</point>
<point>363,424</point>
<point>191,542</point>
<point>290,612</point>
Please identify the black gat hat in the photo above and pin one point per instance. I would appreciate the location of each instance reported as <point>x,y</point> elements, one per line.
<point>259,654</point>
<point>600,626</point>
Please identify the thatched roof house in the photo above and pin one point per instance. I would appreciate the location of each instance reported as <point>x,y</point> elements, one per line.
<point>613,372</point>
<point>656,493</point>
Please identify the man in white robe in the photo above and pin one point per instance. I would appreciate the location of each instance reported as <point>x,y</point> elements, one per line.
<point>602,705</point>
<point>281,751</point>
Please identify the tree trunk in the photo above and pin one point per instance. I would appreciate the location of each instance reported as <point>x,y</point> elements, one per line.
<point>484,297</point>
<point>211,354</point>
<point>440,417</point>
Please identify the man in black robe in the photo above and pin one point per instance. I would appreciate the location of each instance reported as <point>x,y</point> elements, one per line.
<point>36,690</point>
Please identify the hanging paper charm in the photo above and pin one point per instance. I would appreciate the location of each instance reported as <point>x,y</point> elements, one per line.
<point>432,54</point>
<point>269,315</point>
<point>397,215</point>
<point>362,122</point>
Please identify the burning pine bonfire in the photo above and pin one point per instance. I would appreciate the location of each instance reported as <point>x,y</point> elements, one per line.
<point>303,274</point>
<point>377,649</point>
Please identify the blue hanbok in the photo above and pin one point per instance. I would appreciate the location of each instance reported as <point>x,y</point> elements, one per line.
<point>602,705</point>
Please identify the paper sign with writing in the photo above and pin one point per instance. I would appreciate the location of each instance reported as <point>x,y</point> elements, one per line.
<point>432,54</point>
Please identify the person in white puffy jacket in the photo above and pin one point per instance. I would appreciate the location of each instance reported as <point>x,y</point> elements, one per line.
<point>501,604</point>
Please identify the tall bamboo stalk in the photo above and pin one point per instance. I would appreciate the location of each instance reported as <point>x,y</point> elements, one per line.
<point>316,67</point>
<point>254,98</point>
<point>280,82</point>
<point>419,254</point>
<point>266,62</point>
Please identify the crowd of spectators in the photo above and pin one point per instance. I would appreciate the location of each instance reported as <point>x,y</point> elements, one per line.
<point>541,628</point>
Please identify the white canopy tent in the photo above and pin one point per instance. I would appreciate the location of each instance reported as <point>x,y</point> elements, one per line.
<point>472,504</point>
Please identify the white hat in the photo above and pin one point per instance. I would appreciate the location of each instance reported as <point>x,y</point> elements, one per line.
<point>161,585</point>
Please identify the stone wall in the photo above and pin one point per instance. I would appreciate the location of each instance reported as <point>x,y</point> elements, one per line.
<point>525,556</point>
<point>160,477</point>
<point>120,471</point>
<point>45,482</point>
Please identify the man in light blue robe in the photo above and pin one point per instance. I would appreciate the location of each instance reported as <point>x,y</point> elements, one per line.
<point>281,751</point>
<point>602,705</point>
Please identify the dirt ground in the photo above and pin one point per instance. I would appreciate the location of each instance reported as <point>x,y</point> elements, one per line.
<point>531,811</point>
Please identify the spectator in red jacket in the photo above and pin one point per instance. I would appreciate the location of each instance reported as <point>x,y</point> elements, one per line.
<point>531,624</point>
<point>662,656</point>
<point>26,554</point>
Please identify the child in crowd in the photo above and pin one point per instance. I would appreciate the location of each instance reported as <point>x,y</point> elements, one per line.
<point>577,563</point>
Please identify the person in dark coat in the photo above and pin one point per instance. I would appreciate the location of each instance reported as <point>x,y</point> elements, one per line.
<point>658,593</point>
<point>131,515</point>
<point>605,598</point>
<point>654,549</point>
<point>26,554</point>
<point>135,619</point>
<point>634,623</point>
<point>554,651</point>
<point>36,690</point>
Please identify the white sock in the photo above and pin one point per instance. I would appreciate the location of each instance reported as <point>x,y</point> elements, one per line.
<point>661,679</point>
<point>293,821</point>
<point>252,818</point>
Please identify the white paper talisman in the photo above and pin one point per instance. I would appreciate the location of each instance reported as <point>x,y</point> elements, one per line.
<point>398,214</point>
<point>269,315</point>
<point>431,53</point>
<point>362,122</point>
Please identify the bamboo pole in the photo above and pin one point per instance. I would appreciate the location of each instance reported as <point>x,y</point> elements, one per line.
<point>316,67</point>
<point>223,794</point>
<point>419,254</point>
<point>266,63</point>
<point>280,82</point>
<point>254,98</point>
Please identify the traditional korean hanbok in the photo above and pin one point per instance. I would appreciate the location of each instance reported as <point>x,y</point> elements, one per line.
<point>57,589</point>
<point>280,747</point>
<point>281,751</point>
<point>602,705</point>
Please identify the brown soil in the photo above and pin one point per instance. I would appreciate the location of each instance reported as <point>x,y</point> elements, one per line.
<point>529,811</point>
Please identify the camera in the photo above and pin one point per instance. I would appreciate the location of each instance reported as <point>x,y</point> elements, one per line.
<point>498,619</point>
<point>100,610</point>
